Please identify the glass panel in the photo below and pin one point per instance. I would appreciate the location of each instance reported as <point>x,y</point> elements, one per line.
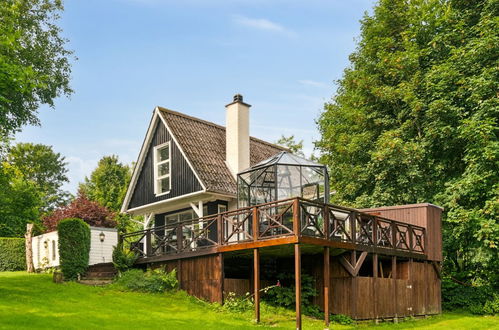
<point>186,216</point>
<point>164,185</point>
<point>169,219</point>
<point>164,169</point>
<point>164,153</point>
<point>288,181</point>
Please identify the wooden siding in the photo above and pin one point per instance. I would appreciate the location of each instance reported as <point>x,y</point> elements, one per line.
<point>183,179</point>
<point>416,291</point>
<point>201,277</point>
<point>424,215</point>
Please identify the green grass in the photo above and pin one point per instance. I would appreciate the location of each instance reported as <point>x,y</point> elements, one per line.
<point>33,301</point>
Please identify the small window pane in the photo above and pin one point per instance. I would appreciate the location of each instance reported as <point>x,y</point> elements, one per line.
<point>164,169</point>
<point>186,216</point>
<point>164,153</point>
<point>164,185</point>
<point>171,219</point>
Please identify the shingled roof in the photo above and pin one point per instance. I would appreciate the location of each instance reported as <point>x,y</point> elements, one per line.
<point>203,143</point>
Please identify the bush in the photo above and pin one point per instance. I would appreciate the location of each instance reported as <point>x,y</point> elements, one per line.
<point>472,298</point>
<point>341,319</point>
<point>238,304</point>
<point>123,259</point>
<point>284,294</point>
<point>12,254</point>
<point>74,247</point>
<point>155,281</point>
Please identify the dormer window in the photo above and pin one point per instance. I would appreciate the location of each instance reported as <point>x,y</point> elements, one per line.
<point>162,156</point>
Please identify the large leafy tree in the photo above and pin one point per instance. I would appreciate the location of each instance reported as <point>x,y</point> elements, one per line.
<point>45,168</point>
<point>415,119</point>
<point>34,63</point>
<point>20,202</point>
<point>108,183</point>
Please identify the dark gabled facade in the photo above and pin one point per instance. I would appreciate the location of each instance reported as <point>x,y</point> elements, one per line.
<point>183,179</point>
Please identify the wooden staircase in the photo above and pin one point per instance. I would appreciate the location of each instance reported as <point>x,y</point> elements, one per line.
<point>99,274</point>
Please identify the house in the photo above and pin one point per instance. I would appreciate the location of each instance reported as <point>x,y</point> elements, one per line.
<point>46,251</point>
<point>232,213</point>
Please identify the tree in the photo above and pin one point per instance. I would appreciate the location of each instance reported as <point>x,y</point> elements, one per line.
<point>290,143</point>
<point>108,183</point>
<point>81,207</point>
<point>415,118</point>
<point>20,203</point>
<point>45,168</point>
<point>34,63</point>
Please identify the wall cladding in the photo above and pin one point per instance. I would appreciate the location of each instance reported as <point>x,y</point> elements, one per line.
<point>183,179</point>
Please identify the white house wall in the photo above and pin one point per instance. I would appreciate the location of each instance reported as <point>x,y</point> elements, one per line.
<point>44,255</point>
<point>47,255</point>
<point>101,252</point>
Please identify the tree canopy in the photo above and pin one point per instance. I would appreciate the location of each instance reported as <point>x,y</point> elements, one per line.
<point>415,119</point>
<point>108,183</point>
<point>34,63</point>
<point>44,167</point>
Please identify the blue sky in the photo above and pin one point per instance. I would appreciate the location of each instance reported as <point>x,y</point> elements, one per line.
<point>193,56</point>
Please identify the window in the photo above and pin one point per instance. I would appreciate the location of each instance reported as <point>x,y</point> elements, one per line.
<point>162,156</point>
<point>222,208</point>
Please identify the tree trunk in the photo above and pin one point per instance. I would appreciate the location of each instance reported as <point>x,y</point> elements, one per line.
<point>29,250</point>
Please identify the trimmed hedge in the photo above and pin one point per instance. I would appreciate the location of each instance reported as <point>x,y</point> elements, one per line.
<point>12,254</point>
<point>74,247</point>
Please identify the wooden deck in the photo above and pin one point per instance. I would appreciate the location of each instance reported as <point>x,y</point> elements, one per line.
<point>277,223</point>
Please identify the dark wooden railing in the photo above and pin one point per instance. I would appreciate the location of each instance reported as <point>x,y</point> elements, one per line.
<point>290,217</point>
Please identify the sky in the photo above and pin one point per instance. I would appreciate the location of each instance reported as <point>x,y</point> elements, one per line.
<point>192,56</point>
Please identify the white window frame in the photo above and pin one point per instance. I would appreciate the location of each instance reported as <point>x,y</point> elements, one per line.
<point>157,163</point>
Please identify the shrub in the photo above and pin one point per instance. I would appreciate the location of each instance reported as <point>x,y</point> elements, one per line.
<point>341,319</point>
<point>82,208</point>
<point>284,293</point>
<point>12,254</point>
<point>155,281</point>
<point>74,247</point>
<point>123,259</point>
<point>238,304</point>
<point>472,298</point>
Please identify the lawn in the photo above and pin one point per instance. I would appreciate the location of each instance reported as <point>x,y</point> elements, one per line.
<point>33,301</point>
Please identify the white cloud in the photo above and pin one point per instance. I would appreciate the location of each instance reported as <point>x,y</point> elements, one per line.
<point>260,24</point>
<point>313,83</point>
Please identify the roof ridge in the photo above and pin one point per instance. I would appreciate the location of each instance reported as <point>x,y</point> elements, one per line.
<point>176,113</point>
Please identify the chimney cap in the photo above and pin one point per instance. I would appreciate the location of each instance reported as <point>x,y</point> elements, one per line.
<point>238,98</point>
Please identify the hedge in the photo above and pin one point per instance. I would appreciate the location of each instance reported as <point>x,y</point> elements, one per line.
<point>74,247</point>
<point>12,254</point>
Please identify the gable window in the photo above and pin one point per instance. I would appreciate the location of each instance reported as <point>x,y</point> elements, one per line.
<point>162,181</point>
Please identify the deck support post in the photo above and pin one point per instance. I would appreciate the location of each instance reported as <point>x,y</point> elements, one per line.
<point>327,283</point>
<point>298,285</point>
<point>375,278</point>
<point>256,284</point>
<point>394,280</point>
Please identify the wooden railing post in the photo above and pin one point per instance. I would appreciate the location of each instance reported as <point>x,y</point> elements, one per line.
<point>394,234</point>
<point>425,240</point>
<point>375,231</point>
<point>148,249</point>
<point>296,216</point>
<point>256,224</point>
<point>411,234</point>
<point>180,237</point>
<point>353,225</point>
<point>220,230</point>
<point>326,221</point>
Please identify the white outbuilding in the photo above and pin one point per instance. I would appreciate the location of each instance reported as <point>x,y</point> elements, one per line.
<point>102,243</point>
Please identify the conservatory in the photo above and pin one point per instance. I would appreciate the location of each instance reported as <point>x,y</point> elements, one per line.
<point>280,177</point>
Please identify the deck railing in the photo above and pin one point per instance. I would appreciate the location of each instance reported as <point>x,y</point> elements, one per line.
<point>289,217</point>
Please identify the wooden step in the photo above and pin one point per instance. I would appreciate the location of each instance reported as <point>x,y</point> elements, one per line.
<point>95,281</point>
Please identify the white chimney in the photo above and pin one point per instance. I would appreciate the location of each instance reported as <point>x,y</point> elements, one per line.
<point>237,142</point>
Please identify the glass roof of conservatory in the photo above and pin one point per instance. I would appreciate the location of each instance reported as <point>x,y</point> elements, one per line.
<point>284,158</point>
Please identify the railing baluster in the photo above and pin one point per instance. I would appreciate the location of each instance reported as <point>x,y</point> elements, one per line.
<point>411,233</point>
<point>375,231</point>
<point>180,238</point>
<point>326,221</point>
<point>220,230</point>
<point>353,226</point>
<point>256,224</point>
<point>148,249</point>
<point>394,235</point>
<point>296,217</point>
